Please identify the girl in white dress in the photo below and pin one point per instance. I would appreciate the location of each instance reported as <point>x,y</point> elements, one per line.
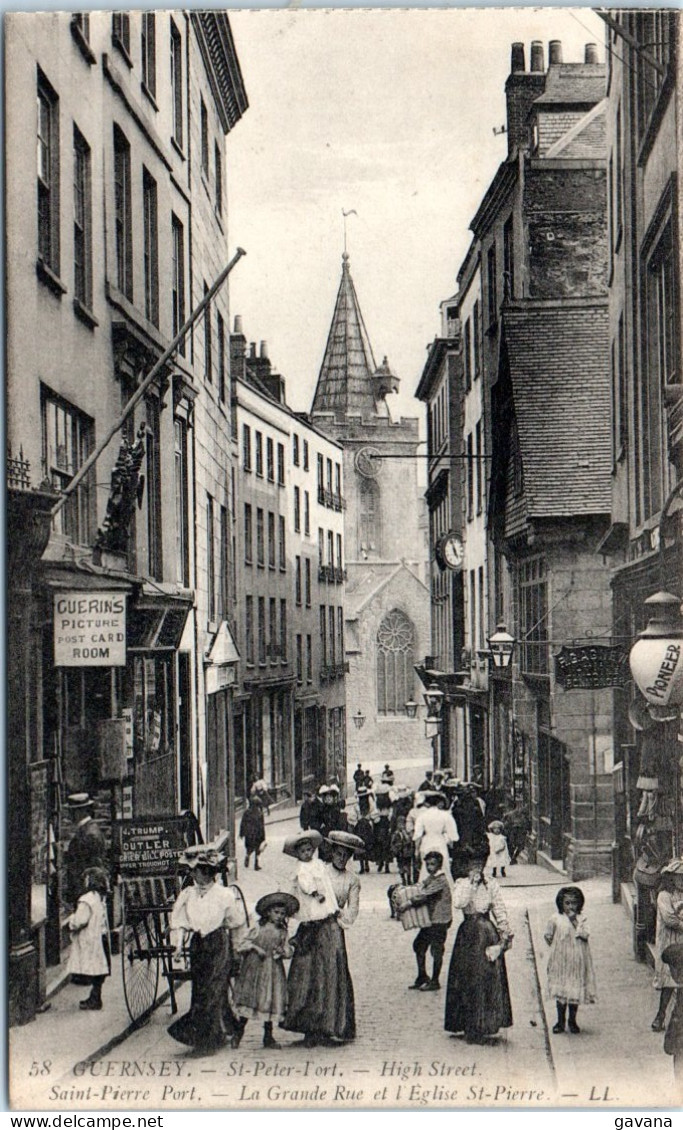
<point>571,980</point>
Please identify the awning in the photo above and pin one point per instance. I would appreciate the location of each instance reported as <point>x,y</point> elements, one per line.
<point>223,649</point>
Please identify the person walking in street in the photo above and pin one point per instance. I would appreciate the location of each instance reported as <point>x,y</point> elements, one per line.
<point>260,790</point>
<point>346,887</point>
<point>669,931</point>
<point>306,811</point>
<point>333,818</point>
<point>210,915</point>
<point>499,856</point>
<point>571,980</point>
<point>359,777</point>
<point>477,994</point>
<point>87,847</point>
<point>260,989</point>
<point>435,829</point>
<point>435,893</point>
<point>253,831</point>
<point>387,777</point>
<point>672,956</point>
<point>516,826</point>
<point>89,957</point>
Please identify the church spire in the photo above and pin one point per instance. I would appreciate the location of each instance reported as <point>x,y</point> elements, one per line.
<point>346,381</point>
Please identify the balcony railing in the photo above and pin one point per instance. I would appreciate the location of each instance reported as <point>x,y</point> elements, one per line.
<point>18,471</point>
<point>331,499</point>
<point>332,573</point>
<point>329,673</point>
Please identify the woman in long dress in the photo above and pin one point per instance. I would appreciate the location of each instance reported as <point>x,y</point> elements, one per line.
<point>212,915</point>
<point>669,932</point>
<point>477,995</point>
<point>346,887</point>
<point>435,829</point>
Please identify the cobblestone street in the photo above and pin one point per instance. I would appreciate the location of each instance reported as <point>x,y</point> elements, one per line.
<point>402,1056</point>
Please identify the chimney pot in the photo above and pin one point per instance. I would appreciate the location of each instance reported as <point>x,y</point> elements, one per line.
<point>252,348</point>
<point>591,55</point>
<point>238,324</point>
<point>554,51</point>
<point>537,55</point>
<point>264,348</point>
<point>517,64</point>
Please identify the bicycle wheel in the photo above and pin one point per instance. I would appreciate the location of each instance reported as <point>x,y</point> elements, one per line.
<point>140,958</point>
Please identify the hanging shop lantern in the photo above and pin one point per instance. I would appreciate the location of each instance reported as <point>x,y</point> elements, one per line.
<point>656,659</point>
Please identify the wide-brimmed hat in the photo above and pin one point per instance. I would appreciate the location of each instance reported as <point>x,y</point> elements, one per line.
<point>323,790</point>
<point>292,842</point>
<point>496,826</point>
<point>277,898</point>
<point>419,799</point>
<point>201,856</point>
<point>346,840</point>
<point>433,796</point>
<point>79,800</point>
<point>673,867</point>
<point>333,788</point>
<point>673,957</point>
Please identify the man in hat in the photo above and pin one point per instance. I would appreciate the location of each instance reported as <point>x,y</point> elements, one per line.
<point>87,847</point>
<point>427,785</point>
<point>359,776</point>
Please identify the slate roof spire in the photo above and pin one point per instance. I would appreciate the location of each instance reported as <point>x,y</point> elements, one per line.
<point>346,382</point>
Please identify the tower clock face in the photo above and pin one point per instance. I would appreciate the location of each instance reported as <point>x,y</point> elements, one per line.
<point>368,462</point>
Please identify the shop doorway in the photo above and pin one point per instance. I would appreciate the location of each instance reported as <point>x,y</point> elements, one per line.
<point>554,803</point>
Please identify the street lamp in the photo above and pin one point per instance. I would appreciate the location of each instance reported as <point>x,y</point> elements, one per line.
<point>656,658</point>
<point>433,697</point>
<point>359,719</point>
<point>411,708</point>
<point>501,644</point>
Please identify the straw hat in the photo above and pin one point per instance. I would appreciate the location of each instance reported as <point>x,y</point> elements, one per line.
<point>292,842</point>
<point>277,898</point>
<point>201,856</point>
<point>79,800</point>
<point>346,840</point>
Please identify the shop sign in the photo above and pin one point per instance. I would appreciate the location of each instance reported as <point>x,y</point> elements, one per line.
<point>90,629</point>
<point>591,666</point>
<point>150,846</point>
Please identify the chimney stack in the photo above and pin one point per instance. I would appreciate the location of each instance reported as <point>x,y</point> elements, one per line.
<point>264,349</point>
<point>517,64</point>
<point>536,56</point>
<point>554,51</point>
<point>238,325</point>
<point>591,55</point>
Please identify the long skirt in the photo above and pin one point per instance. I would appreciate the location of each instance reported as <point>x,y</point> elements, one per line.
<point>477,995</point>
<point>210,1019</point>
<point>319,987</point>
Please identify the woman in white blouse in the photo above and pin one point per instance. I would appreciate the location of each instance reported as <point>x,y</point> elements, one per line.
<point>214,919</point>
<point>435,829</point>
<point>477,995</point>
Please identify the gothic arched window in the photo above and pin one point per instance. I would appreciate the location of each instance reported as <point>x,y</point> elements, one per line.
<point>395,674</point>
<point>370,524</point>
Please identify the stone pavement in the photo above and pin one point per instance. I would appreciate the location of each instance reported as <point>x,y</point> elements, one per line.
<point>402,1056</point>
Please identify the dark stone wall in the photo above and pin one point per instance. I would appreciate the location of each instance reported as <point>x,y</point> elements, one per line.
<point>566,222</point>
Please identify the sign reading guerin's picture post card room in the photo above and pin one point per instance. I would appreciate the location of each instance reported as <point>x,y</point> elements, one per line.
<point>90,629</point>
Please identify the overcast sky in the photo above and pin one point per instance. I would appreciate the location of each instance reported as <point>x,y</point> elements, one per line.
<point>388,112</point>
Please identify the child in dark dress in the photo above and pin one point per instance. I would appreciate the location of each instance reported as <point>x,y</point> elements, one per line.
<point>253,831</point>
<point>260,990</point>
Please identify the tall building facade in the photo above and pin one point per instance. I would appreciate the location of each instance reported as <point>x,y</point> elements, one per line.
<point>105,672</point>
<point>386,600</point>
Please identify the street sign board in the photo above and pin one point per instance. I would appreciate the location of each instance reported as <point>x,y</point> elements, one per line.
<point>150,845</point>
<point>591,666</point>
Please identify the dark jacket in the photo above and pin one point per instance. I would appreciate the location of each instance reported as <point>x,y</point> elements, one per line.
<point>435,892</point>
<point>252,827</point>
<point>88,848</point>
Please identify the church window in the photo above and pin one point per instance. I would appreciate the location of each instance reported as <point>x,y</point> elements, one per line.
<point>370,519</point>
<point>395,673</point>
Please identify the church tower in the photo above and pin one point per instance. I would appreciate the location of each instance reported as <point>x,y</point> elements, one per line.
<point>385,551</point>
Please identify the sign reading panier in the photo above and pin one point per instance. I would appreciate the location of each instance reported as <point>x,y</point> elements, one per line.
<point>90,629</point>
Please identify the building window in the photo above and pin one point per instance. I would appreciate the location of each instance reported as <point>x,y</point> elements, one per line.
<point>224,565</point>
<point>68,437</point>
<point>283,630</point>
<point>473,608</point>
<point>508,259</point>
<point>655,33</point>
<point>258,441</point>
<point>330,548</point>
<point>280,465</point>
<point>295,450</point>
<point>323,635</point>
<point>395,674</point>
<point>177,85</point>
<point>332,636</point>
<point>249,629</point>
<point>122,215</point>
<point>151,247</point>
<point>307,514</point>
<point>321,547</point>
<point>340,632</point>
<point>181,533</point>
<point>469,473</point>
<point>273,646</point>
<point>271,540</point>
<point>178,279</point>
<point>321,479</point>
<point>260,547</point>
<point>618,182</point>
<point>248,535</point>
<point>370,518</point>
<point>468,354</point>
<point>246,447</point>
<point>297,509</point>
<point>283,550</point>
<point>299,660</point>
<point>220,334</point>
<point>309,659</point>
<point>48,174</point>
<point>479,475</point>
<point>492,284</point>
<point>307,579</point>
<point>297,583</point>
<point>82,221</point>
<point>154,543</point>
<point>210,560</point>
<point>340,559</point>
<point>204,119</point>
<point>480,584</point>
<point>476,329</point>
<point>305,455</point>
<point>337,480</point>
<point>218,173</point>
<point>262,630</point>
<point>532,603</point>
<point>329,476</point>
<point>208,359</point>
<point>619,396</point>
<point>149,50</point>
<point>120,32</point>
<point>270,460</point>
